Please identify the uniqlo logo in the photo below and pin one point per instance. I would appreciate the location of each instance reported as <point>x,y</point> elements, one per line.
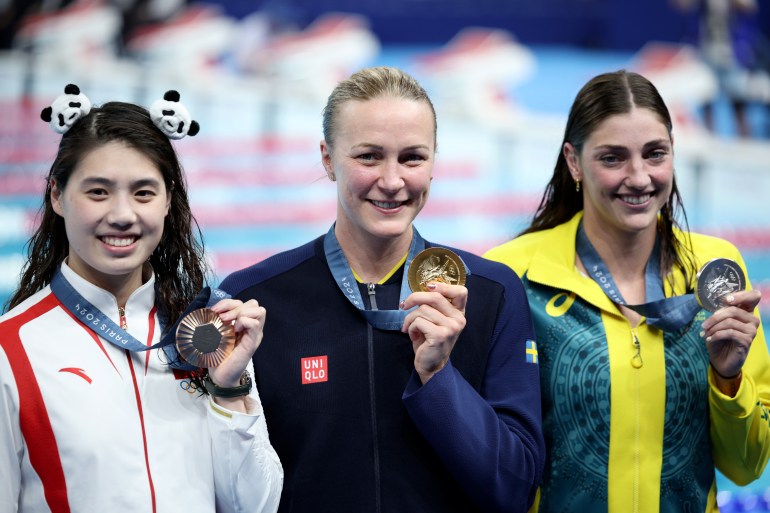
<point>314,370</point>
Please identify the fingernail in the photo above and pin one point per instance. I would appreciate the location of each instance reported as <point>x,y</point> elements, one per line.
<point>701,333</point>
<point>431,286</point>
<point>708,339</point>
<point>730,298</point>
<point>401,304</point>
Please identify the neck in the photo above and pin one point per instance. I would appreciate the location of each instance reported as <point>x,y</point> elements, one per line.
<point>120,286</point>
<point>625,254</point>
<point>370,257</point>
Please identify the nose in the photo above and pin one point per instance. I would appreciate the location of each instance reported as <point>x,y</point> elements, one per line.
<point>638,177</point>
<point>121,213</point>
<point>391,179</point>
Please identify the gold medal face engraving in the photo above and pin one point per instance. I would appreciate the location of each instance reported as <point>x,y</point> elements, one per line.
<point>435,264</point>
<point>715,280</point>
<point>203,339</point>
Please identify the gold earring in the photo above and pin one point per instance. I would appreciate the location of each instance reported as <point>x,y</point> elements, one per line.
<point>577,185</point>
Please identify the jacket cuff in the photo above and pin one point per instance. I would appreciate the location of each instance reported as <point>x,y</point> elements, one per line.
<point>742,404</point>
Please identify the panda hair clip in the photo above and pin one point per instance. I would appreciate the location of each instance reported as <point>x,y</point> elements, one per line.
<point>169,115</point>
<point>66,109</point>
<point>172,118</point>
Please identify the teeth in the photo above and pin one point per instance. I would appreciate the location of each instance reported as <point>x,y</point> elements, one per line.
<point>118,242</point>
<point>636,200</point>
<point>386,204</point>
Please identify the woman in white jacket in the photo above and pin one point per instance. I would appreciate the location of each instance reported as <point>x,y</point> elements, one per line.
<point>97,413</point>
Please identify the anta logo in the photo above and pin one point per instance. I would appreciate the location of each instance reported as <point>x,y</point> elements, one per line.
<point>77,372</point>
<point>314,369</point>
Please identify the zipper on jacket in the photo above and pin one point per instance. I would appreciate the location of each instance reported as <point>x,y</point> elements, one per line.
<point>122,315</point>
<point>636,362</point>
<point>373,409</point>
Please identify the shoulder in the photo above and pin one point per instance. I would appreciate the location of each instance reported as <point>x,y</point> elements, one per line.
<point>27,311</point>
<point>269,268</point>
<point>707,247</point>
<point>488,270</point>
<point>518,253</point>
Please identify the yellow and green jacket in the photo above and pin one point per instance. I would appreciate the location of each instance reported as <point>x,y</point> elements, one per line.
<point>632,420</point>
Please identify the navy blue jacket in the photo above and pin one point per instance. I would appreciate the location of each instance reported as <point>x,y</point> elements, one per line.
<point>355,429</point>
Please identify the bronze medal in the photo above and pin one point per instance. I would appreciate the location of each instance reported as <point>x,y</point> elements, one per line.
<point>715,280</point>
<point>203,339</point>
<point>435,264</point>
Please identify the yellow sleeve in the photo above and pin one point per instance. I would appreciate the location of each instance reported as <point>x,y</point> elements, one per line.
<point>740,427</point>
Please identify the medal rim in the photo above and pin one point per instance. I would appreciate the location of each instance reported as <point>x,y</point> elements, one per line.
<point>415,285</point>
<point>700,282</point>
<point>189,353</point>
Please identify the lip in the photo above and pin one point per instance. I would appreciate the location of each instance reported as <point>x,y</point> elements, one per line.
<point>388,206</point>
<point>636,203</point>
<point>118,248</point>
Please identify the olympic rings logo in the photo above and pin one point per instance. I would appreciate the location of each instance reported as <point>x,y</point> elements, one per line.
<point>188,386</point>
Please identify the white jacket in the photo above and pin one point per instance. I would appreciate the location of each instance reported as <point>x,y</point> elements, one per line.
<point>86,426</point>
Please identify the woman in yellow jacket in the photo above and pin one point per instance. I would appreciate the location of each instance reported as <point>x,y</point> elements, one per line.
<point>644,392</point>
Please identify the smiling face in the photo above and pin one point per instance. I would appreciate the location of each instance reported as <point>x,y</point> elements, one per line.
<point>382,158</point>
<point>114,207</point>
<point>626,168</point>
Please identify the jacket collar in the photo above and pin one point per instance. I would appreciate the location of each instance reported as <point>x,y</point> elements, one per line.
<point>553,265</point>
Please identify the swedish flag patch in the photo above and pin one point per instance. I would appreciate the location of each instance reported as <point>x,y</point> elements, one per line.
<point>531,351</point>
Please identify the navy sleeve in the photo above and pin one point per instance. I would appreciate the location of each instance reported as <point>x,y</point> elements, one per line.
<point>490,440</point>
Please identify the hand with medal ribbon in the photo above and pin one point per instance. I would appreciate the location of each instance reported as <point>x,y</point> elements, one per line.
<point>729,332</point>
<point>437,280</point>
<point>222,338</point>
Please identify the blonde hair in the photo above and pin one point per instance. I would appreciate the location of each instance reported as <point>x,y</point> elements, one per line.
<point>370,83</point>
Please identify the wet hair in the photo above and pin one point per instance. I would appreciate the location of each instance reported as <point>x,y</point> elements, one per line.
<point>607,95</point>
<point>370,83</point>
<point>178,261</point>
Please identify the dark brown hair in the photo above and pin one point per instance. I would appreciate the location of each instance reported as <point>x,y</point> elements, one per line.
<point>607,95</point>
<point>178,262</point>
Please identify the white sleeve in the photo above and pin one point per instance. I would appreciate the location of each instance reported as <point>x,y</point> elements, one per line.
<point>248,475</point>
<point>10,440</point>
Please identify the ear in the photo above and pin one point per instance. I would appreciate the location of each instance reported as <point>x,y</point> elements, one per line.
<point>571,156</point>
<point>326,159</point>
<point>56,198</point>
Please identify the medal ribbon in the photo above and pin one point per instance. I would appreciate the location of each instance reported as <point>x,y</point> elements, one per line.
<point>107,329</point>
<point>343,275</point>
<point>666,313</point>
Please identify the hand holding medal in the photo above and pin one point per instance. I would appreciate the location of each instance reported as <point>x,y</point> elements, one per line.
<point>223,338</point>
<point>437,279</point>
<point>729,332</point>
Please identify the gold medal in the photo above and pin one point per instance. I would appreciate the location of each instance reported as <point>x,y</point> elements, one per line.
<point>435,264</point>
<point>203,339</point>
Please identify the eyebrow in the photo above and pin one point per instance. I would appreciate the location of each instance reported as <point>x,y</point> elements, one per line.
<point>379,147</point>
<point>616,147</point>
<point>144,182</point>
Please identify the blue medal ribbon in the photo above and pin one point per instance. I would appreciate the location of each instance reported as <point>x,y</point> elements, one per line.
<point>666,313</point>
<point>343,276</point>
<point>106,328</point>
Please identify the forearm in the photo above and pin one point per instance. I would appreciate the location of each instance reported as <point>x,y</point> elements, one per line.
<point>495,454</point>
<point>247,472</point>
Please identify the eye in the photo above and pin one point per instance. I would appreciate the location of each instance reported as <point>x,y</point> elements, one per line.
<point>369,157</point>
<point>413,158</point>
<point>145,194</point>
<point>97,192</point>
<point>657,154</point>
<point>610,159</point>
